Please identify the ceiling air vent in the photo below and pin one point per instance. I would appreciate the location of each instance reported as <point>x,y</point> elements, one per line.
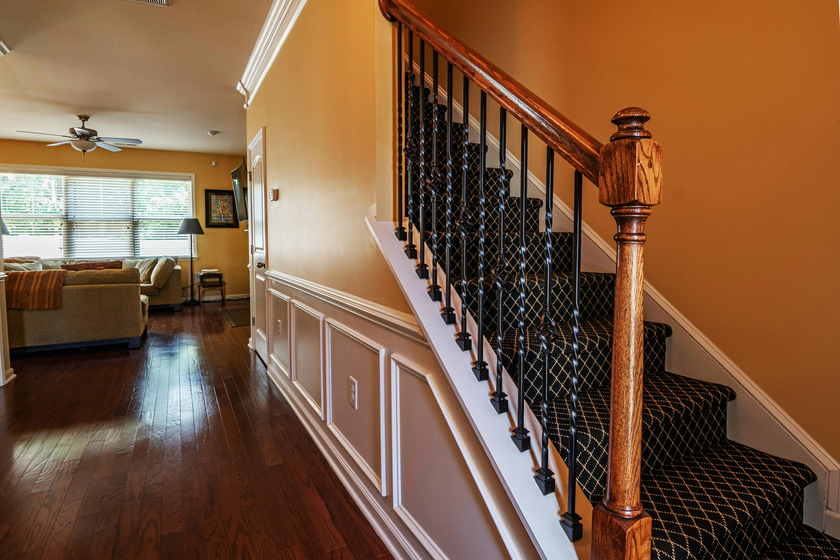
<point>165,3</point>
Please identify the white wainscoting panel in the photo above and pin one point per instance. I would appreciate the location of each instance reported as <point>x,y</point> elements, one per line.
<point>362,430</point>
<point>308,354</point>
<point>430,477</point>
<point>279,330</point>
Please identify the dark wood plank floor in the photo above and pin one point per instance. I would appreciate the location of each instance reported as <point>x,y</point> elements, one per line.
<point>181,449</point>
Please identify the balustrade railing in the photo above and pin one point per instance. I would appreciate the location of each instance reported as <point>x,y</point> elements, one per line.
<point>627,172</point>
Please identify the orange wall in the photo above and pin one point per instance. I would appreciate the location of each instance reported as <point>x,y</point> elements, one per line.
<point>318,104</point>
<point>744,101</point>
<point>223,248</point>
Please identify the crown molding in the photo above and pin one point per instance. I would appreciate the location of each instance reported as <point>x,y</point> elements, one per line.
<point>279,22</point>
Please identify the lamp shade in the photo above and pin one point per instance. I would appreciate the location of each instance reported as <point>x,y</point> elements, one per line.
<point>190,226</point>
<point>5,229</point>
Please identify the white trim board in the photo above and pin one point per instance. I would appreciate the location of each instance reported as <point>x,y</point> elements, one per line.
<point>401,323</point>
<point>278,24</point>
<point>317,405</point>
<point>788,438</point>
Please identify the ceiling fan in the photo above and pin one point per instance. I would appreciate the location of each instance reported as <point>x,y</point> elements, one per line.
<point>86,140</point>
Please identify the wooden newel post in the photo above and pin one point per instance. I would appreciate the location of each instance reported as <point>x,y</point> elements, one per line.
<point>630,181</point>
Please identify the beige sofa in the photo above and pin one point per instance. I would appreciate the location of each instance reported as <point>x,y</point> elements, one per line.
<point>98,307</point>
<point>169,294</point>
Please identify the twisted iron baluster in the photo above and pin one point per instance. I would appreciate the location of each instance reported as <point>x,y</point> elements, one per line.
<point>435,181</point>
<point>465,224</point>
<point>570,520</point>
<point>520,433</point>
<point>399,231</point>
<point>410,148</point>
<point>448,312</point>
<point>501,274</point>
<point>547,331</point>
<point>479,366</point>
<point>422,269</point>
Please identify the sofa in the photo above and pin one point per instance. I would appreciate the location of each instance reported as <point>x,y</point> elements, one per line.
<point>160,277</point>
<point>97,307</point>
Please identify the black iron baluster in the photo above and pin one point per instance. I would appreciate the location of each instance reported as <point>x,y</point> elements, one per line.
<point>448,312</point>
<point>479,366</point>
<point>501,274</point>
<point>410,148</point>
<point>520,433</point>
<point>570,520</point>
<point>464,224</point>
<point>399,231</point>
<point>422,269</point>
<point>547,331</point>
<point>434,181</point>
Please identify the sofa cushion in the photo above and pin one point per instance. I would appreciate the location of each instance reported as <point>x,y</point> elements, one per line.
<point>93,265</point>
<point>146,266</point>
<point>22,266</point>
<point>106,276</point>
<point>161,272</point>
<point>21,259</point>
<point>149,290</point>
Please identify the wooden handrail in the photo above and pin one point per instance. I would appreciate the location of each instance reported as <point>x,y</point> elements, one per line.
<point>577,147</point>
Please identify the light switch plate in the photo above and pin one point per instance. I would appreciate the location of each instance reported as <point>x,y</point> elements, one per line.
<point>274,194</point>
<point>353,392</point>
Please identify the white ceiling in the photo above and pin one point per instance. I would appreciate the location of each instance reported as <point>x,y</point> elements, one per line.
<point>164,75</point>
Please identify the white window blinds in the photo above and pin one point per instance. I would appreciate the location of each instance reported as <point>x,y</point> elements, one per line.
<point>73,216</point>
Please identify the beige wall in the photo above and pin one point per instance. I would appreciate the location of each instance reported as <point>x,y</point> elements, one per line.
<point>318,104</point>
<point>223,248</point>
<point>744,101</point>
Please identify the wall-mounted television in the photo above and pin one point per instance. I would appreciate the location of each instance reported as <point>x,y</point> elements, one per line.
<point>239,178</point>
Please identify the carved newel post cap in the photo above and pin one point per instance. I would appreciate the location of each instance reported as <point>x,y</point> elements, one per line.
<point>631,164</point>
<point>631,124</point>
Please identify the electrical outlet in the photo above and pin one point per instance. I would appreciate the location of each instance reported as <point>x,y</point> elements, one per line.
<point>279,328</point>
<point>353,392</point>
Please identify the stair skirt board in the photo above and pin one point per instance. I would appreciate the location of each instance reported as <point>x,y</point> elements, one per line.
<point>759,421</point>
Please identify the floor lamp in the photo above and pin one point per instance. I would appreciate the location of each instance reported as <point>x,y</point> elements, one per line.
<point>191,226</point>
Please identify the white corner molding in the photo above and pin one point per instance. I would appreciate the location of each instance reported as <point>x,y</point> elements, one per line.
<point>279,22</point>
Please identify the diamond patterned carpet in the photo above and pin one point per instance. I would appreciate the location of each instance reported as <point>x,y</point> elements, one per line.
<point>710,498</point>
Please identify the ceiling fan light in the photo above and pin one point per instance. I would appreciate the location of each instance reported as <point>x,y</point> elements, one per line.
<point>83,145</point>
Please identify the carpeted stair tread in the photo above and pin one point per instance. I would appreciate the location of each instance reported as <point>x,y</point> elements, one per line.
<point>805,544</point>
<point>727,501</point>
<point>595,353</point>
<point>597,297</point>
<point>680,416</point>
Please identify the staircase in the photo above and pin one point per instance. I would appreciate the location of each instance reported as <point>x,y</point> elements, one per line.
<point>553,329</point>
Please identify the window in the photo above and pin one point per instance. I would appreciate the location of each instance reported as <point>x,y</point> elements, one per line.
<point>77,216</point>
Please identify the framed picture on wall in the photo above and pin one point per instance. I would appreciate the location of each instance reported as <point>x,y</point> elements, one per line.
<point>219,209</point>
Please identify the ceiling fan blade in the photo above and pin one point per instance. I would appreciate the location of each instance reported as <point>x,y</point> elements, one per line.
<point>108,147</point>
<point>46,134</point>
<point>59,143</point>
<point>122,140</point>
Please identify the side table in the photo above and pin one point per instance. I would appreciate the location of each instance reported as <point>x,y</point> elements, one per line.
<point>202,286</point>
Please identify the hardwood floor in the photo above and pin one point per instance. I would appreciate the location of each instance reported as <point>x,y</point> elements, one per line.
<point>181,449</point>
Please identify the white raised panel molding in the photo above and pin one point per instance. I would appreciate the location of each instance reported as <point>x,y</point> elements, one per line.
<point>279,22</point>
<point>288,326</point>
<point>316,404</point>
<point>755,418</point>
<point>378,480</point>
